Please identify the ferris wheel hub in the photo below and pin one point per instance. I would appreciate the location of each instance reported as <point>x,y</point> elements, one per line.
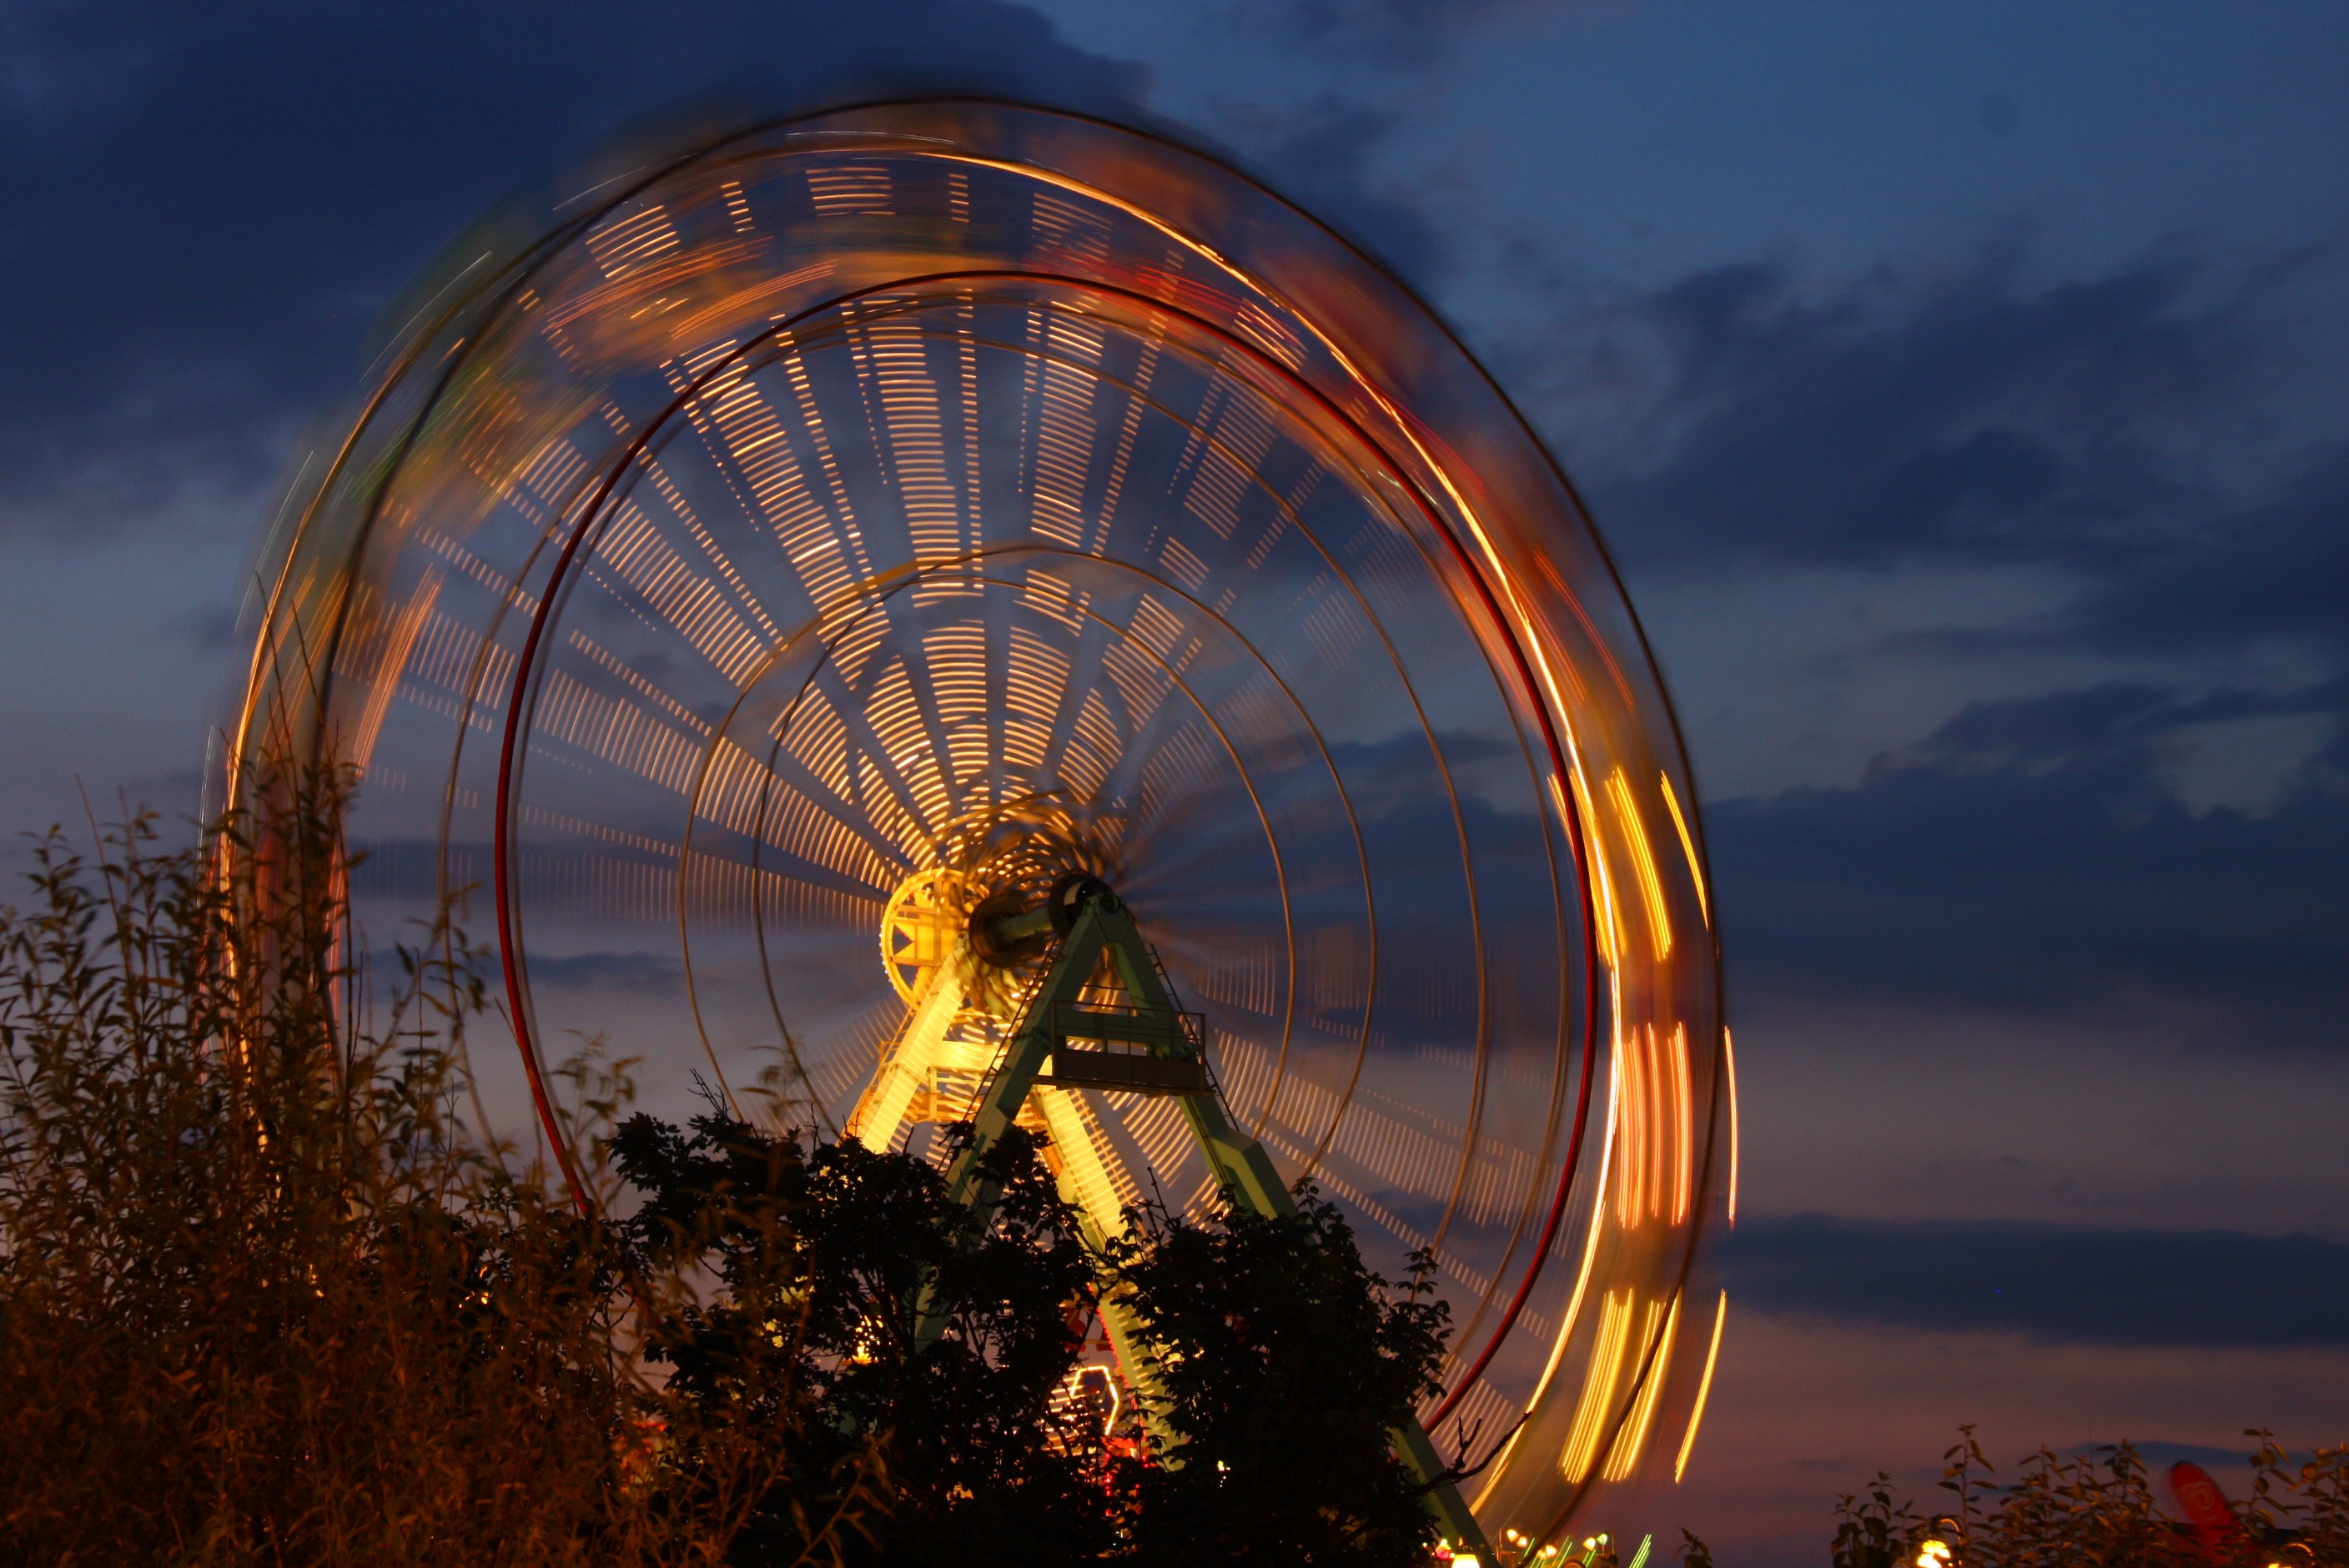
<point>1005,930</point>
<point>918,927</point>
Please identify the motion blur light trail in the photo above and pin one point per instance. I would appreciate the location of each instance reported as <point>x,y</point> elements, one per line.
<point>810,533</point>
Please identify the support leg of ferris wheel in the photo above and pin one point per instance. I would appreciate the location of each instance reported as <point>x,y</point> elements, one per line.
<point>1066,1008</point>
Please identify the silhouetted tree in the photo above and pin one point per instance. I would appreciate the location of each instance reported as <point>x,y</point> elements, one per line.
<point>828,1260</point>
<point>1286,1363</point>
<point>262,1298</point>
<point>266,1298</point>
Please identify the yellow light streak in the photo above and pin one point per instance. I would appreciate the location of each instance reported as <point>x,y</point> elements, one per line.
<point>1598,1385</point>
<point>733,788</point>
<point>894,712</point>
<point>1610,934</point>
<point>1141,683</point>
<point>1703,1389</point>
<point>1037,678</point>
<point>732,414</point>
<point>1500,1466</point>
<point>1184,563</point>
<point>1093,748</point>
<point>1633,1436</point>
<point>743,302</point>
<point>629,672</point>
<point>620,731</point>
<point>685,598</point>
<point>957,656</point>
<point>850,189</point>
<point>1688,847</point>
<point>909,1062</point>
<point>1643,861</point>
<point>1729,1059</point>
<point>1683,1124</point>
<point>1138,395</point>
<point>847,539</point>
<point>1065,435</point>
<point>1231,455</point>
<point>1090,1172</point>
<point>621,247</point>
<point>398,644</point>
<point>894,356</point>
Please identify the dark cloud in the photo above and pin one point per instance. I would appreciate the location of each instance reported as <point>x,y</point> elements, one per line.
<point>209,206</point>
<point>638,972</point>
<point>2275,570</point>
<point>1318,154</point>
<point>1402,36</point>
<point>2034,855</point>
<point>2064,1283</point>
<point>2122,435</point>
<point>1965,415</point>
<point>2122,429</point>
<point>2120,721</point>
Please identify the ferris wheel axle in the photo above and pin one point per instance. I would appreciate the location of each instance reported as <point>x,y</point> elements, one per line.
<point>1002,932</point>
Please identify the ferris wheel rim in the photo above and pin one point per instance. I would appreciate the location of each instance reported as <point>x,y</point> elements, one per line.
<point>521,697</point>
<point>999,127</point>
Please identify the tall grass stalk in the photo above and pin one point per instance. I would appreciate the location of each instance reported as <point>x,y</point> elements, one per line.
<point>264,1296</point>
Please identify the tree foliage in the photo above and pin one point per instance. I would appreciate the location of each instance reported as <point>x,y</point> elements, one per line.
<point>262,1297</point>
<point>1286,1364</point>
<point>829,1259</point>
<point>2100,1509</point>
<point>266,1298</point>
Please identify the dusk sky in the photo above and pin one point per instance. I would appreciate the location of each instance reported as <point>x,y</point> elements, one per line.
<point>1963,391</point>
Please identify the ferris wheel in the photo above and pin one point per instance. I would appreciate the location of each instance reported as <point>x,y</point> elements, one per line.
<point>945,612</point>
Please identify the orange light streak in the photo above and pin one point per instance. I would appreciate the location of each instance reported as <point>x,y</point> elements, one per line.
<point>1610,934</point>
<point>1643,861</point>
<point>1687,846</point>
<point>1703,1389</point>
<point>1573,1315</point>
<point>1631,1187</point>
<point>1683,1123</point>
<point>399,643</point>
<point>1729,1057</point>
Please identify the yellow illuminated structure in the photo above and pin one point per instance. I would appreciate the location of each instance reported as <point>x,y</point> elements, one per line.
<point>832,530</point>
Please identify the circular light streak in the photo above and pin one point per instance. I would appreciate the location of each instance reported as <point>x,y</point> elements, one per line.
<point>818,531</point>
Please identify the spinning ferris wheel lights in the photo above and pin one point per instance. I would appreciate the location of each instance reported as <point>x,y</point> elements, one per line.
<point>777,580</point>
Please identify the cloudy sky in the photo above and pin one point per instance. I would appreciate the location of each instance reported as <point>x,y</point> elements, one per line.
<point>1964,389</point>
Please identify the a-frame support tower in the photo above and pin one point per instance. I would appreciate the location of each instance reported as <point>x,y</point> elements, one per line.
<point>1071,1035</point>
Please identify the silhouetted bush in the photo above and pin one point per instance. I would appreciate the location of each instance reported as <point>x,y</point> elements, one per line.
<point>2098,1510</point>
<point>265,1298</point>
<point>828,1259</point>
<point>1286,1363</point>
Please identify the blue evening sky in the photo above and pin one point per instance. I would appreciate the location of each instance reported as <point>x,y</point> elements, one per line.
<point>1961,388</point>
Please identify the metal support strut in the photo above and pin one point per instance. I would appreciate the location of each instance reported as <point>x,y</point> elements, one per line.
<point>1091,922</point>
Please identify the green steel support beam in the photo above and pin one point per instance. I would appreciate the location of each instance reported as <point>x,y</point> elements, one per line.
<point>1104,925</point>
